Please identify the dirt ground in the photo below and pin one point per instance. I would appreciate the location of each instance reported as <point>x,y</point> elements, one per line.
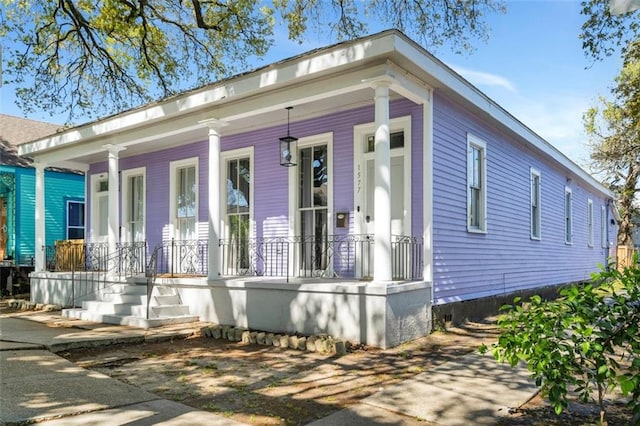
<point>272,386</point>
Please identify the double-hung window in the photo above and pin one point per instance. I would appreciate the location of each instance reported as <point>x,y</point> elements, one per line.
<point>603,226</point>
<point>568,225</point>
<point>535,204</point>
<point>476,185</point>
<point>75,220</point>
<point>590,222</point>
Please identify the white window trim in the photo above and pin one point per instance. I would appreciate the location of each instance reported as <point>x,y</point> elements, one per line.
<point>125,175</point>
<point>603,226</point>
<point>473,141</point>
<point>590,222</point>
<point>360,133</point>
<point>234,155</point>
<point>95,209</point>
<point>84,227</point>
<point>535,173</point>
<point>568,237</point>
<point>173,166</point>
<point>294,223</point>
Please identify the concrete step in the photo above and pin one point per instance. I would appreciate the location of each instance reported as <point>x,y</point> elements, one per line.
<point>167,299</point>
<point>140,299</point>
<point>102,307</point>
<point>165,311</point>
<point>133,321</point>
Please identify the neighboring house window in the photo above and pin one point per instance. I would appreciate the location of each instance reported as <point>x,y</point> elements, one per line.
<point>590,222</point>
<point>133,208</point>
<point>535,204</point>
<point>477,185</point>
<point>75,220</point>
<point>568,225</point>
<point>603,227</point>
<point>184,198</point>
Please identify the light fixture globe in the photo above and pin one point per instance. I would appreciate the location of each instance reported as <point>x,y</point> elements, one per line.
<point>288,146</point>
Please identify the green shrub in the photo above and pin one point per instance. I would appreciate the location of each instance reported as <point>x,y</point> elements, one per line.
<point>578,341</point>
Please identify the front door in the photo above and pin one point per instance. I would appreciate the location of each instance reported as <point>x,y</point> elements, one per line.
<point>364,181</point>
<point>397,194</point>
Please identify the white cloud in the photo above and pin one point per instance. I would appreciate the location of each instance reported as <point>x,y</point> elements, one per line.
<point>481,78</point>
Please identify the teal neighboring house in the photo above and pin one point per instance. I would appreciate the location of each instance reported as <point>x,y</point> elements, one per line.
<point>64,195</point>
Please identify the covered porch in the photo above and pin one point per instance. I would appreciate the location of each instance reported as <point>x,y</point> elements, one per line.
<point>198,180</point>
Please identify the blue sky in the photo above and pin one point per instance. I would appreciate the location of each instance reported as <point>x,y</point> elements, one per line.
<point>532,65</point>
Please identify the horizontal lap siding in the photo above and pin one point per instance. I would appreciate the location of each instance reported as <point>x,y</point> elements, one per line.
<point>506,259</point>
<point>59,188</point>
<point>157,166</point>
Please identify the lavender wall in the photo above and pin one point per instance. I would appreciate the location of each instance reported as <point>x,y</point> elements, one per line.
<point>270,179</point>
<point>466,265</point>
<point>469,265</point>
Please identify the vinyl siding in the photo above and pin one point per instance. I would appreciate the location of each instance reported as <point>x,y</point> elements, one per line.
<point>59,188</point>
<point>466,265</point>
<point>505,259</point>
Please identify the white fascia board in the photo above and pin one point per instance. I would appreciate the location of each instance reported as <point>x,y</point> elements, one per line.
<point>454,82</point>
<point>298,69</point>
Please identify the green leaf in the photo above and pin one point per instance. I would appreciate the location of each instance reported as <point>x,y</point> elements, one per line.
<point>626,385</point>
<point>557,408</point>
<point>585,347</point>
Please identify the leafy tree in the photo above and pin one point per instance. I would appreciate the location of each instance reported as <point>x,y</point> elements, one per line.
<point>613,127</point>
<point>578,341</point>
<point>603,34</point>
<point>99,56</point>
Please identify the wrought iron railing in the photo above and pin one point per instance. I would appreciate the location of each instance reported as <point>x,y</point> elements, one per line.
<point>347,256</point>
<point>180,258</point>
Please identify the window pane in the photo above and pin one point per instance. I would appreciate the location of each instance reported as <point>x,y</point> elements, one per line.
<point>103,215</point>
<point>306,177</point>
<point>238,186</point>
<point>186,192</point>
<point>76,214</point>
<point>76,233</point>
<point>320,178</point>
<point>474,219</point>
<point>244,184</point>
<point>397,140</point>
<point>476,170</point>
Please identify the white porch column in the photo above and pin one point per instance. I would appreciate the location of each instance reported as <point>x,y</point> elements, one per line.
<point>214,196</point>
<point>382,270</point>
<point>40,252</point>
<point>113,198</point>
<point>427,202</point>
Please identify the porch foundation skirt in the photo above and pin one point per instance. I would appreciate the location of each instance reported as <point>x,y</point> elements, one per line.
<point>377,314</point>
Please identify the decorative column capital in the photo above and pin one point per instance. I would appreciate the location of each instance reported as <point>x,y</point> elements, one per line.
<point>113,149</point>
<point>214,124</point>
<point>39,165</point>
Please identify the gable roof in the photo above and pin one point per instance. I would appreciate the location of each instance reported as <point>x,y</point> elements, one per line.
<point>17,130</point>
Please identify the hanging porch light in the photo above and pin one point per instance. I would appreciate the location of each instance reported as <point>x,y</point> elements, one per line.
<point>288,146</point>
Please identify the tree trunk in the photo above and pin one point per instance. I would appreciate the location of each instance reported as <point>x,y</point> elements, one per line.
<point>626,205</point>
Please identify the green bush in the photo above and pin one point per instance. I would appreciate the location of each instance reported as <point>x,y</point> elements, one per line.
<point>585,341</point>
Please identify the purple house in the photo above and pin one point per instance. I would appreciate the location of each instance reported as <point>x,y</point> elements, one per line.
<point>405,191</point>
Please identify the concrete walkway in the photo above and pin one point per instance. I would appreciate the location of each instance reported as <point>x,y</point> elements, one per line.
<point>37,385</point>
